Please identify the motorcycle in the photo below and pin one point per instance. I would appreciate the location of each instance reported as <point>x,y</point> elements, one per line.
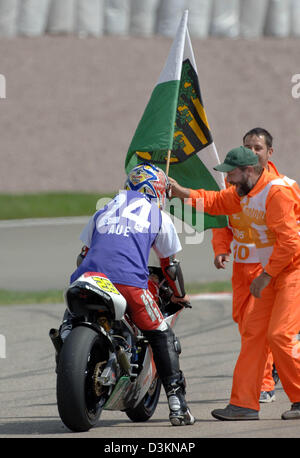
<point>106,363</point>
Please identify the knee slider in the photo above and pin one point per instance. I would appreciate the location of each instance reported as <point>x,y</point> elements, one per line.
<point>177,345</point>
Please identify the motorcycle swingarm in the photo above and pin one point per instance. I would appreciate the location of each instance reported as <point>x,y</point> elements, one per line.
<point>97,329</point>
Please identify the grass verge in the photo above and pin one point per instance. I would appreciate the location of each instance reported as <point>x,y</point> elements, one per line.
<point>8,297</point>
<point>212,287</point>
<point>48,204</point>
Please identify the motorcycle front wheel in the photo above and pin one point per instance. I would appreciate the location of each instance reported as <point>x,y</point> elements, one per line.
<point>78,402</point>
<point>146,408</point>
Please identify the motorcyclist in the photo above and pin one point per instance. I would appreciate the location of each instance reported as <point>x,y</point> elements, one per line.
<point>117,242</point>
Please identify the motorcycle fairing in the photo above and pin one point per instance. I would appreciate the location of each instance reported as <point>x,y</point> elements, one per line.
<point>100,291</point>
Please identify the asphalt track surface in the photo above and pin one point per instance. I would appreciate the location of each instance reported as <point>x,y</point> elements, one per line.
<point>210,346</point>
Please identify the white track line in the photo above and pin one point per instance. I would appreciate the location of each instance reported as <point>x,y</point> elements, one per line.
<point>4,224</point>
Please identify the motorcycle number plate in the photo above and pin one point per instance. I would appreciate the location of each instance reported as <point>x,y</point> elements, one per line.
<point>106,285</point>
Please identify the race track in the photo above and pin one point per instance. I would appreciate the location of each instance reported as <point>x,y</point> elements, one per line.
<point>210,344</point>
<point>42,256</point>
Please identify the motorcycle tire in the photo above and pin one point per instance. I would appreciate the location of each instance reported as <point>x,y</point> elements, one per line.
<point>78,405</point>
<point>146,408</point>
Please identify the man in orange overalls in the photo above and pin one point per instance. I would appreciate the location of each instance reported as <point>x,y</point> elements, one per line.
<point>246,265</point>
<point>271,207</point>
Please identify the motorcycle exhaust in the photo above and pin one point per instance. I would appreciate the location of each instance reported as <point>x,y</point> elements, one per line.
<point>123,360</point>
<point>56,339</point>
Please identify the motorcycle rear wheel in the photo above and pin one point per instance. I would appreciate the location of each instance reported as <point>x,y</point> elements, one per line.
<point>78,405</point>
<point>146,408</point>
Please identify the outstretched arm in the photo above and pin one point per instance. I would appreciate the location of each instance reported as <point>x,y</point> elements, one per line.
<point>224,202</point>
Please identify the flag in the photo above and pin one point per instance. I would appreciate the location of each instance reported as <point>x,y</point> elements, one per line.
<point>175,120</point>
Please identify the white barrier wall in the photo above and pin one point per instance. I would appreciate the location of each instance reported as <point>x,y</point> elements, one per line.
<point>32,17</point>
<point>220,18</point>
<point>278,18</point>
<point>168,16</point>
<point>8,17</point>
<point>295,18</point>
<point>252,17</point>
<point>143,17</point>
<point>199,17</point>
<point>117,17</point>
<point>225,18</point>
<point>90,18</point>
<point>61,17</point>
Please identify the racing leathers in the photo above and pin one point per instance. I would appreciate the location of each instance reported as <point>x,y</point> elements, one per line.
<point>246,267</point>
<point>118,239</point>
<point>272,210</point>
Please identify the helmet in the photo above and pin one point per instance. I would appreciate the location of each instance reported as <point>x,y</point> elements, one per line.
<point>149,180</point>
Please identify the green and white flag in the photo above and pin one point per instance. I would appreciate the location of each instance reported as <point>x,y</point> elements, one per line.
<point>175,120</point>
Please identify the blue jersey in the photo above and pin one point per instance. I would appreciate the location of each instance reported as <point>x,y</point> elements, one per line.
<point>120,237</point>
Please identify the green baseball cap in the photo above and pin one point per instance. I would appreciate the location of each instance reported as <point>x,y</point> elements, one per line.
<point>237,157</point>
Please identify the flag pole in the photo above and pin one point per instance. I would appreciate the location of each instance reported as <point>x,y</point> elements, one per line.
<point>168,162</point>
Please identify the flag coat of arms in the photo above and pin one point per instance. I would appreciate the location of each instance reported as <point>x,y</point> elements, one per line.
<point>175,121</point>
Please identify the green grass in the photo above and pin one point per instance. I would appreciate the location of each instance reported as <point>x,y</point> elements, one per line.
<point>48,204</point>
<point>212,287</point>
<point>8,297</point>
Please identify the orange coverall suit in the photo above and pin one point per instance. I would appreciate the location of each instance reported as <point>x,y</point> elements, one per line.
<point>246,267</point>
<point>272,210</point>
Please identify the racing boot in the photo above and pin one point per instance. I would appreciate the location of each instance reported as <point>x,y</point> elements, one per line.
<point>180,414</point>
<point>166,349</point>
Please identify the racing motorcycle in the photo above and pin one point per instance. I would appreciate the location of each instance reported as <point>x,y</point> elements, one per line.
<point>106,363</point>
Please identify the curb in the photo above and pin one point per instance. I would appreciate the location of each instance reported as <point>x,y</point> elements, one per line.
<point>211,296</point>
